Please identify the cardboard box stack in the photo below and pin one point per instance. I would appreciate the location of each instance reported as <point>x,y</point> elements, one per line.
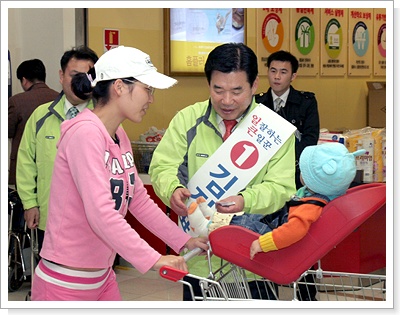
<point>376,109</point>
<point>373,162</point>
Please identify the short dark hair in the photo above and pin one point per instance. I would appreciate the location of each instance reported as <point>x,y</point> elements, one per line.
<point>283,55</point>
<point>32,70</point>
<point>79,53</point>
<point>231,57</point>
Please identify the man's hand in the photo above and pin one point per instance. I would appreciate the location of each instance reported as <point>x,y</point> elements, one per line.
<point>178,201</point>
<point>237,207</point>
<point>32,217</point>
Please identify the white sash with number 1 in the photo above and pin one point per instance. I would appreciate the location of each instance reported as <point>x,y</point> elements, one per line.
<point>249,148</point>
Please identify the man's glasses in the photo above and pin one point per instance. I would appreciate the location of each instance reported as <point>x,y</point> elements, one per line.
<point>149,88</point>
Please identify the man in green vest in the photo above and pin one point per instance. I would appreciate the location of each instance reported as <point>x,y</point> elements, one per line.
<point>37,149</point>
<point>197,131</point>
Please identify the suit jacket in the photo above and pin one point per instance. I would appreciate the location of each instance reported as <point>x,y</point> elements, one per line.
<point>20,107</point>
<point>301,109</point>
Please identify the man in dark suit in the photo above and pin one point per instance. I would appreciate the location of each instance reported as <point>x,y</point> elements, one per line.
<point>298,107</point>
<point>32,75</point>
<point>301,109</point>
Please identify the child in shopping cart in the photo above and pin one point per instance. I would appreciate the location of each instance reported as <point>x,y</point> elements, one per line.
<point>327,171</point>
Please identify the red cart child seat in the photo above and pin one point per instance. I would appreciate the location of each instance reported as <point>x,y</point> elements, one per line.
<point>339,218</point>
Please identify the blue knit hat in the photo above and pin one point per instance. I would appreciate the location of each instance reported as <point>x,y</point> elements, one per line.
<point>328,168</point>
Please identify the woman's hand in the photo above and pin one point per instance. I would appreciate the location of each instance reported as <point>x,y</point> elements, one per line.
<point>197,242</point>
<point>177,262</point>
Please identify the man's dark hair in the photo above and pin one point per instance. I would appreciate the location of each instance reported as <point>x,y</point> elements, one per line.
<point>232,57</point>
<point>79,53</point>
<point>32,70</point>
<point>282,55</point>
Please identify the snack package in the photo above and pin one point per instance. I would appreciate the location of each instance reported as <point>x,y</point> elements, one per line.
<point>383,134</point>
<point>365,161</point>
<point>326,136</point>
<point>378,156</point>
<point>372,163</point>
<point>152,135</point>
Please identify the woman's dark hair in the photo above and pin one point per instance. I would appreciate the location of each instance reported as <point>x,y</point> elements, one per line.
<point>81,85</point>
<point>231,57</point>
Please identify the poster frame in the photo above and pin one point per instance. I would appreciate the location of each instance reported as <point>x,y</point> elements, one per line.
<point>168,54</point>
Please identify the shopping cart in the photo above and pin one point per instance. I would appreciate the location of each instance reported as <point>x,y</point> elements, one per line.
<point>22,244</point>
<point>142,154</point>
<point>17,242</point>
<point>34,258</point>
<point>287,270</point>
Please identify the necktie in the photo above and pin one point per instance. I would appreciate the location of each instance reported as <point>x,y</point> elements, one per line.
<point>72,112</point>
<point>278,104</point>
<point>229,124</point>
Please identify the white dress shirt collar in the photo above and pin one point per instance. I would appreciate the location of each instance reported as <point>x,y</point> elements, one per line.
<point>68,105</point>
<point>283,97</point>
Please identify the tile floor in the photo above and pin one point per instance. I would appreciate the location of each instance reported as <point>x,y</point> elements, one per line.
<point>133,285</point>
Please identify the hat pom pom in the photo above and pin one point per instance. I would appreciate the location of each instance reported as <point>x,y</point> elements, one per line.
<point>330,167</point>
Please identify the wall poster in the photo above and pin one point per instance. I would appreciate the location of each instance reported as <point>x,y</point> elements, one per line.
<point>272,34</point>
<point>190,35</point>
<point>360,42</point>
<point>379,45</point>
<point>333,42</point>
<point>304,39</point>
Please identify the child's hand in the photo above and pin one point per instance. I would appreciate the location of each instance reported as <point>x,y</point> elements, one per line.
<point>255,248</point>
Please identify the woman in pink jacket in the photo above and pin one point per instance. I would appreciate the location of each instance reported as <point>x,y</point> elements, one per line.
<point>95,183</point>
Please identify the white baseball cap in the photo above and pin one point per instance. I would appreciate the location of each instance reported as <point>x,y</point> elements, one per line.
<point>125,62</point>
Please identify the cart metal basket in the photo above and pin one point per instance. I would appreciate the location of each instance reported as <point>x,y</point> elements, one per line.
<point>142,154</point>
<point>231,282</point>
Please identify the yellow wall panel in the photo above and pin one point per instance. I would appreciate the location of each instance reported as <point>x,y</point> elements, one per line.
<point>342,100</point>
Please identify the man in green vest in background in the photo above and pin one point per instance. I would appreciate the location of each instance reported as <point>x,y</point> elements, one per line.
<point>38,149</point>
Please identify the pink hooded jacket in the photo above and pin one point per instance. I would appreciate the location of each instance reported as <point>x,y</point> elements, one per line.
<point>94,184</point>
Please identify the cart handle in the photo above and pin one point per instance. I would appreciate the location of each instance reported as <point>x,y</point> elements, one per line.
<point>170,273</point>
<point>192,253</point>
<point>173,274</point>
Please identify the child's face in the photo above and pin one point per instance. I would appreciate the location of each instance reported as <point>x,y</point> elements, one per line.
<point>301,180</point>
